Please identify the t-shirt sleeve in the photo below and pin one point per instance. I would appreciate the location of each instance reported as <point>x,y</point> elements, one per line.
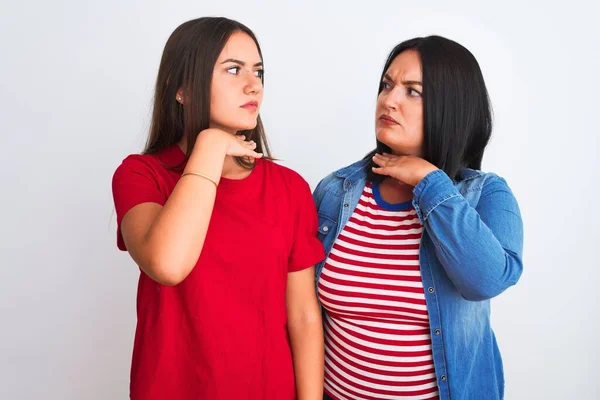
<point>307,250</point>
<point>134,182</point>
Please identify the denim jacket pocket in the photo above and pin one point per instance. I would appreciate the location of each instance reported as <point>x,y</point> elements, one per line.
<point>326,231</point>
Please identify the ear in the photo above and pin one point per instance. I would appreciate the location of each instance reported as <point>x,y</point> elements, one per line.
<point>179,97</point>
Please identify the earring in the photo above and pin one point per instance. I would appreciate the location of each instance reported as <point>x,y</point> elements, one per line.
<point>179,99</point>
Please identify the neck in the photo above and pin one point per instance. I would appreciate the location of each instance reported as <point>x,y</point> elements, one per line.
<point>396,184</point>
<point>394,191</point>
<point>232,170</point>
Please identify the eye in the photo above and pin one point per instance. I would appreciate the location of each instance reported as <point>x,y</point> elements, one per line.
<point>385,85</point>
<point>233,70</point>
<point>413,93</point>
<point>259,73</point>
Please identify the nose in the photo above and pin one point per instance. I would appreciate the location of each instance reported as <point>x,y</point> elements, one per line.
<point>391,100</point>
<point>253,84</point>
<point>394,99</point>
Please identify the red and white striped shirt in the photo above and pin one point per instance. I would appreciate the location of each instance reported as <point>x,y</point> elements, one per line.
<point>377,338</point>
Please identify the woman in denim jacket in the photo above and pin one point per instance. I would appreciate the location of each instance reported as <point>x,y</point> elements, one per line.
<point>418,239</point>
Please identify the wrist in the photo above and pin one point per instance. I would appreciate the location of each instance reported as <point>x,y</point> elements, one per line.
<point>423,174</point>
<point>208,156</point>
<point>211,140</point>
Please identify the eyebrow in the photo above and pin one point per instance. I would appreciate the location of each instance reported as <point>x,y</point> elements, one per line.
<point>389,78</point>
<point>242,63</point>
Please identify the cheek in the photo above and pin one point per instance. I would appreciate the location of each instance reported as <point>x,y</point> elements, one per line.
<point>416,117</point>
<point>216,106</point>
<point>379,109</point>
<point>220,102</point>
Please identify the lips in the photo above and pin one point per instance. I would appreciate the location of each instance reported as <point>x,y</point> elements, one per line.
<point>386,119</point>
<point>251,105</point>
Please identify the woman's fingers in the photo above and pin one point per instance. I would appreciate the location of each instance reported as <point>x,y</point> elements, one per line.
<point>380,171</point>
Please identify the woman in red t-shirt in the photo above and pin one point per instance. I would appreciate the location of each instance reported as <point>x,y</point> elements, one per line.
<point>225,239</point>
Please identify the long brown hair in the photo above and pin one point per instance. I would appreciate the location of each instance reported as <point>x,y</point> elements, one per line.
<point>187,62</point>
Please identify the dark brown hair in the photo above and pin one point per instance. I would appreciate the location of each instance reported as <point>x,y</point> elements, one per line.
<point>187,62</point>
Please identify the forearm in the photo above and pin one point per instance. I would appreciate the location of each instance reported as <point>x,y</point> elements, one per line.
<point>176,237</point>
<point>306,338</point>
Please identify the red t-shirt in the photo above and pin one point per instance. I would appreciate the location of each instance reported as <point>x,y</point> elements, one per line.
<point>221,333</point>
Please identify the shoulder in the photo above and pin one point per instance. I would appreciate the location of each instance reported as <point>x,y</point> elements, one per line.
<point>150,165</point>
<point>136,160</point>
<point>285,175</point>
<point>476,180</point>
<point>137,165</point>
<point>477,186</point>
<point>352,169</point>
<point>335,179</point>
<point>289,187</point>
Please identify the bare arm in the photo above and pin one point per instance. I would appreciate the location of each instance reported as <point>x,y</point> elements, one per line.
<point>166,241</point>
<point>305,328</point>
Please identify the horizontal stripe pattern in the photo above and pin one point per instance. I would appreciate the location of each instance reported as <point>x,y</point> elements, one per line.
<point>377,335</point>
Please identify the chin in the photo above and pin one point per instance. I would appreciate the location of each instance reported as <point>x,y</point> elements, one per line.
<point>395,147</point>
<point>384,135</point>
<point>245,127</point>
<point>246,124</point>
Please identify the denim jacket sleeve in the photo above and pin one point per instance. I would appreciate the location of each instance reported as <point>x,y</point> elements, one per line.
<point>479,248</point>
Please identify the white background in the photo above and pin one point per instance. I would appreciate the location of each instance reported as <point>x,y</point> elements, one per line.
<point>76,83</point>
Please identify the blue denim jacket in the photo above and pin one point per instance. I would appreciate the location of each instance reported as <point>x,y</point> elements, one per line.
<point>471,251</point>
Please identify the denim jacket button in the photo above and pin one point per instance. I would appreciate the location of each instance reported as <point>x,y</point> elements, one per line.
<point>430,290</point>
<point>437,331</point>
<point>346,205</point>
<point>443,377</point>
<point>348,184</point>
<point>325,228</point>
